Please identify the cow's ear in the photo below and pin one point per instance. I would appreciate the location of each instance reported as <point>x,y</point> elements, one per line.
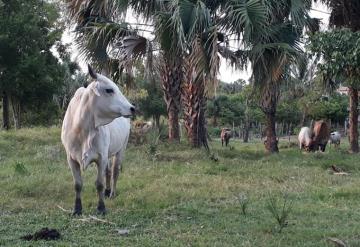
<point>95,88</point>
<point>91,72</point>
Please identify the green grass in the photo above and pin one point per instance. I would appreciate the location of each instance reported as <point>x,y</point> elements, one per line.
<point>182,198</point>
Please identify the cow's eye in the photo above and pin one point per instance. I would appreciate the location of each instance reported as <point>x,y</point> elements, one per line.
<point>109,90</point>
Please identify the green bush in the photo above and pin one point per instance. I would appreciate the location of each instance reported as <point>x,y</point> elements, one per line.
<point>214,131</point>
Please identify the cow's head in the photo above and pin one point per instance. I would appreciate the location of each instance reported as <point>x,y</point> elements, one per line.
<point>311,147</point>
<point>109,102</point>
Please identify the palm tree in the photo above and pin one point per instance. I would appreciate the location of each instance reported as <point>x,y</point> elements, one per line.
<point>177,25</point>
<point>345,13</point>
<point>191,33</point>
<point>100,25</point>
<point>271,48</point>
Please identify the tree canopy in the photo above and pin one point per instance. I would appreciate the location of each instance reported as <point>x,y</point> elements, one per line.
<point>30,74</point>
<point>340,51</point>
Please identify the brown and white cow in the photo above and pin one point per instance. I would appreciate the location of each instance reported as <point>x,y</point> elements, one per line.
<point>320,136</point>
<point>225,136</point>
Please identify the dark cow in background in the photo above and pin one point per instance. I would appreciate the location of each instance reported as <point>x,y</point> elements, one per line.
<point>225,136</point>
<point>320,136</point>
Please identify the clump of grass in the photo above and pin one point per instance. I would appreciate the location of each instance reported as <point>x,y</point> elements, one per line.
<point>20,169</point>
<point>286,145</point>
<point>152,149</point>
<point>280,209</point>
<point>244,202</point>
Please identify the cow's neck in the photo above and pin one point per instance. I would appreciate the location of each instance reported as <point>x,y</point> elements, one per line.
<point>86,130</point>
<point>85,123</point>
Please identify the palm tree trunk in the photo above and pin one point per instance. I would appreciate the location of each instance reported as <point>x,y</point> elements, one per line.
<point>271,141</point>
<point>246,123</point>
<point>246,133</point>
<point>173,123</point>
<point>171,81</point>
<point>5,106</point>
<point>269,100</point>
<point>156,119</point>
<point>354,113</point>
<point>16,109</point>
<point>194,102</point>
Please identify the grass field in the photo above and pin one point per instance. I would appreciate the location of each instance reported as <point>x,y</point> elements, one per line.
<point>180,197</point>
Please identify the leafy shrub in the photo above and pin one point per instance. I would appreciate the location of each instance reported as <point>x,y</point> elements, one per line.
<point>214,131</point>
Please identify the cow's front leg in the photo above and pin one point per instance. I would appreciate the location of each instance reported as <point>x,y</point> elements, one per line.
<point>100,185</point>
<point>76,172</point>
<point>108,180</point>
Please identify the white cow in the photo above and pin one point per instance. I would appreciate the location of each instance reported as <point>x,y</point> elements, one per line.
<point>305,138</point>
<point>335,138</point>
<point>96,128</point>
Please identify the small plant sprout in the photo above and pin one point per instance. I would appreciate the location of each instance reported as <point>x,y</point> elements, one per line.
<point>152,147</point>
<point>244,202</point>
<point>280,209</point>
<point>19,168</point>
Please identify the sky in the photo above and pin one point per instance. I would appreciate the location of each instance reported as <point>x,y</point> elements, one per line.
<point>227,74</point>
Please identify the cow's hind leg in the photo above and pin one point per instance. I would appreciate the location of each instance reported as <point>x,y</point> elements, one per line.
<point>76,172</point>
<point>116,167</point>
<point>99,183</point>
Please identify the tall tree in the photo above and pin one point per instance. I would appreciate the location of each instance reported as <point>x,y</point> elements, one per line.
<point>271,48</point>
<point>341,54</point>
<point>29,71</point>
<point>101,25</point>
<point>178,25</point>
<point>345,14</point>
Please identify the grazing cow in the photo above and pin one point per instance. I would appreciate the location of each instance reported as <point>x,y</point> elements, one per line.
<point>225,136</point>
<point>143,127</point>
<point>139,131</point>
<point>335,138</point>
<point>304,138</point>
<point>96,128</point>
<point>320,136</point>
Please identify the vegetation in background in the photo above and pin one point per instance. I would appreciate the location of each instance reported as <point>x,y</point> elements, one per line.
<point>339,49</point>
<point>341,54</point>
<point>30,75</point>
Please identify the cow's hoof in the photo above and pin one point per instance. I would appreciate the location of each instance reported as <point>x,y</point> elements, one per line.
<point>107,193</point>
<point>76,213</point>
<point>101,210</point>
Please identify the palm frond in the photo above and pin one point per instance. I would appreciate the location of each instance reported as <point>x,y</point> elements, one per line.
<point>238,59</point>
<point>243,17</point>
